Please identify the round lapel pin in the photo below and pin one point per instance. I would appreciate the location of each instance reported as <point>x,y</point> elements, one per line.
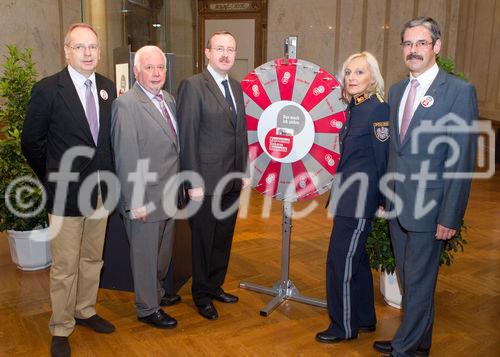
<point>427,101</point>
<point>103,94</point>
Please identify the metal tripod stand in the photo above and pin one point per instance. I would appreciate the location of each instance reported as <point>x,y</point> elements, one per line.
<point>283,289</point>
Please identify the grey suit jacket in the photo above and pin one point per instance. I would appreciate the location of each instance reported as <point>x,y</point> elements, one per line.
<point>210,144</point>
<point>451,96</point>
<point>140,134</point>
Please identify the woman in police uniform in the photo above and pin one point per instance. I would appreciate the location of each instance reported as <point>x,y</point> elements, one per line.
<point>354,200</point>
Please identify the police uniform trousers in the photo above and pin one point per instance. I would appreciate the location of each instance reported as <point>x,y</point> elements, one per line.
<point>417,259</point>
<point>211,246</point>
<point>349,283</point>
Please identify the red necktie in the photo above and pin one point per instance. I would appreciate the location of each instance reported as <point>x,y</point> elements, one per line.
<point>159,98</point>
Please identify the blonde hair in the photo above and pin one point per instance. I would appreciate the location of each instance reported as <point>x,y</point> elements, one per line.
<point>377,85</point>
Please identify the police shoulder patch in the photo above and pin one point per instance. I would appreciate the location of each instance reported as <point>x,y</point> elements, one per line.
<point>381,130</point>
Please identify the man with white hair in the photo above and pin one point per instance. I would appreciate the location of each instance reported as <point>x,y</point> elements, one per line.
<point>146,151</point>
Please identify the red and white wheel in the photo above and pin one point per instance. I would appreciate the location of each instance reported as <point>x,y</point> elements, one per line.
<point>294,115</point>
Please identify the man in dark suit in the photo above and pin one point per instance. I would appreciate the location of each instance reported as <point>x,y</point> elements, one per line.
<point>71,110</point>
<point>146,151</point>
<point>213,143</point>
<point>431,112</point>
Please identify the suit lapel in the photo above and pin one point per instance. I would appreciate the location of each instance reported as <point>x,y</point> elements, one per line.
<point>394,127</point>
<point>70,96</point>
<point>214,88</point>
<point>422,113</point>
<point>153,112</point>
<point>240,105</point>
<point>104,106</point>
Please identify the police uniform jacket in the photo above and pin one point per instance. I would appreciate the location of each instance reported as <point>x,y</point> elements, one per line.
<point>364,149</point>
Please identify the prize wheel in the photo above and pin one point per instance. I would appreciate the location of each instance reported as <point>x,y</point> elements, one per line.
<point>294,114</point>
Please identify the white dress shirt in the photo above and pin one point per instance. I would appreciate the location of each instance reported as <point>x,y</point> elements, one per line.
<point>151,96</point>
<point>424,80</point>
<point>79,83</point>
<point>218,79</point>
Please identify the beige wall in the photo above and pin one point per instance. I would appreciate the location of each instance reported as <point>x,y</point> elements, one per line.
<point>40,25</point>
<point>330,30</point>
<point>478,52</point>
<point>182,33</point>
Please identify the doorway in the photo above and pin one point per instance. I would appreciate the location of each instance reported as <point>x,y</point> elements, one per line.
<point>246,20</point>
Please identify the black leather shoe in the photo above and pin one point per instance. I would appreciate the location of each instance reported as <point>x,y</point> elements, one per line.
<point>370,328</point>
<point>96,323</point>
<point>169,300</point>
<point>328,337</point>
<point>226,297</point>
<point>159,319</point>
<point>208,311</point>
<point>59,347</point>
<point>385,347</point>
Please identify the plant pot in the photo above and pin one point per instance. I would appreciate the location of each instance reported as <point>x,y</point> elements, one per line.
<point>389,287</point>
<point>30,250</point>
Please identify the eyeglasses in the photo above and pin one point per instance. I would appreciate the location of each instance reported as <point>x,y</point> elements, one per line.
<point>151,68</point>
<point>229,50</point>
<point>82,48</point>
<point>408,45</point>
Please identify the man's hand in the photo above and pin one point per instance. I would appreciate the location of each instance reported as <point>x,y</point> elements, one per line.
<point>444,233</point>
<point>139,214</point>
<point>380,212</point>
<point>246,182</point>
<point>196,194</point>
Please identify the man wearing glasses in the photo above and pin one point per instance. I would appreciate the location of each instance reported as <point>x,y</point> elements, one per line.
<point>428,193</point>
<point>73,109</point>
<point>214,144</point>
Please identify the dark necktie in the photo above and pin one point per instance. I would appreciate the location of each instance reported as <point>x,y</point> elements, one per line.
<point>229,101</point>
<point>159,98</point>
<point>91,110</point>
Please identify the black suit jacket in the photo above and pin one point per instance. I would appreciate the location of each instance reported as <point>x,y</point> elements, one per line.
<point>210,144</point>
<point>55,122</point>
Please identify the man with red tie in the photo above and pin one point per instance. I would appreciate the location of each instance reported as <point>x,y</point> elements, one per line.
<point>146,151</point>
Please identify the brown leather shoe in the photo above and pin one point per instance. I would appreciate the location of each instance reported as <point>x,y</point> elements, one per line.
<point>96,323</point>
<point>59,347</point>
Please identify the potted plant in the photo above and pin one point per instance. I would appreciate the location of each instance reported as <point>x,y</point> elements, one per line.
<point>379,249</point>
<point>22,199</point>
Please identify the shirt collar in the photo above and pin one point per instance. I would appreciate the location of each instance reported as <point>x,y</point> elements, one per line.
<point>217,76</point>
<point>148,93</point>
<point>426,78</point>
<point>79,79</point>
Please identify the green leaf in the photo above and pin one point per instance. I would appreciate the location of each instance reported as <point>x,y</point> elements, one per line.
<point>17,78</point>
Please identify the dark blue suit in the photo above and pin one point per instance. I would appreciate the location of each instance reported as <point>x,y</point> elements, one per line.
<point>364,147</point>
